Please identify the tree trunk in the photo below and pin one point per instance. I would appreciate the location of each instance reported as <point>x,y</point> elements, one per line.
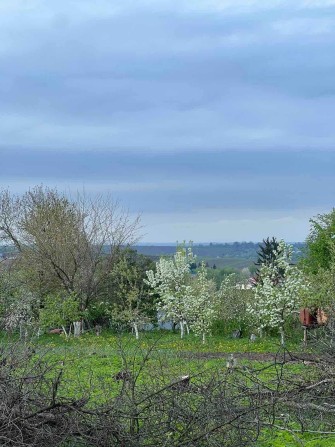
<point>135,326</point>
<point>187,328</point>
<point>181,329</point>
<point>76,328</point>
<point>282,335</point>
<point>66,334</point>
<point>203,338</point>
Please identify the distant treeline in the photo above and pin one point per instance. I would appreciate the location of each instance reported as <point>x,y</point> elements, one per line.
<point>244,250</point>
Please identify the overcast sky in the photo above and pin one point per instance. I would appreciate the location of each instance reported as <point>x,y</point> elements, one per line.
<point>214,119</point>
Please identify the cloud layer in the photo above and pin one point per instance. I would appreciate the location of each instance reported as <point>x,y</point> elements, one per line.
<point>212,118</point>
<point>165,75</point>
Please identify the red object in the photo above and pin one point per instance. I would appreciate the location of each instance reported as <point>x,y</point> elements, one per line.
<point>56,331</point>
<point>307,318</point>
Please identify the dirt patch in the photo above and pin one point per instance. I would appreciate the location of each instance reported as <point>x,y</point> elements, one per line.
<point>252,356</point>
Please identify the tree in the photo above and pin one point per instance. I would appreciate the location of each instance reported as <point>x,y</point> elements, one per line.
<point>172,283</point>
<point>277,292</point>
<point>233,300</point>
<point>320,243</point>
<point>190,301</point>
<point>19,307</point>
<point>269,252</point>
<point>64,244</point>
<point>319,265</point>
<point>60,311</point>
<point>203,307</point>
<point>129,301</point>
<point>321,294</point>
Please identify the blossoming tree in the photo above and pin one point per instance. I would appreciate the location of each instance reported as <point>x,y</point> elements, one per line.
<point>187,299</point>
<point>203,307</point>
<point>172,283</point>
<point>277,292</point>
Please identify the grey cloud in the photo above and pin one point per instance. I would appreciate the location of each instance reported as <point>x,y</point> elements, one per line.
<point>165,75</point>
<point>175,183</point>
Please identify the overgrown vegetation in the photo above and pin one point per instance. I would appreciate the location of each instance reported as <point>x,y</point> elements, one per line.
<point>110,375</point>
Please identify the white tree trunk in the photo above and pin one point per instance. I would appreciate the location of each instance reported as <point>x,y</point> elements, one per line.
<point>135,326</point>
<point>203,338</point>
<point>66,334</point>
<point>181,329</point>
<point>187,328</point>
<point>282,336</point>
<point>76,328</point>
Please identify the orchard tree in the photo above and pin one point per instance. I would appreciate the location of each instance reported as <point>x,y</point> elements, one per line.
<point>278,292</point>
<point>19,307</point>
<point>233,300</point>
<point>172,282</point>
<point>187,299</point>
<point>130,302</point>
<point>203,307</point>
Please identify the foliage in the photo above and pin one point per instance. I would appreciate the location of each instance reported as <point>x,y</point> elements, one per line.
<point>320,243</point>
<point>218,275</point>
<point>130,302</point>
<point>60,310</point>
<point>233,300</point>
<point>18,306</point>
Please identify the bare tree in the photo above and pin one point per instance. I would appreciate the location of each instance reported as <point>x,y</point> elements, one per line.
<point>62,243</point>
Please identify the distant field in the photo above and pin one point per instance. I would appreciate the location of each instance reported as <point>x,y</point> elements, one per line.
<point>234,263</point>
<point>237,255</point>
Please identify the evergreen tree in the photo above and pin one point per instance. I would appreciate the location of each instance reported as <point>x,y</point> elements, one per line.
<point>269,252</point>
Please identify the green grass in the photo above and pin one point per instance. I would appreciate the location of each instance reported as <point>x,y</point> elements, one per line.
<point>278,438</point>
<point>167,340</point>
<point>90,362</point>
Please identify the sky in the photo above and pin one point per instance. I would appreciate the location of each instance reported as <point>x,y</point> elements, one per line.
<point>212,119</point>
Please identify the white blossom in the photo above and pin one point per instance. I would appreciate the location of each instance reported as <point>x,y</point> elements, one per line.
<point>277,293</point>
<point>172,283</point>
